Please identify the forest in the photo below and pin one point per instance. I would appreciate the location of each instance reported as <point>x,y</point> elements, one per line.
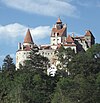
<point>77,82</point>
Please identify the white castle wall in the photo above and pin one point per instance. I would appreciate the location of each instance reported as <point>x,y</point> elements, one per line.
<point>21,56</point>
<point>55,40</point>
<point>72,47</point>
<point>49,53</point>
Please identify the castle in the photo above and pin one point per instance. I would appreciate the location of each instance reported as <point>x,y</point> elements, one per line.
<point>58,37</point>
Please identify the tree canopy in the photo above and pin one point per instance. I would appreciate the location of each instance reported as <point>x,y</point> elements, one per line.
<point>31,84</point>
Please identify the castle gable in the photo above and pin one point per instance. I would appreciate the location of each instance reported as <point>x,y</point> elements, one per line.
<point>69,39</point>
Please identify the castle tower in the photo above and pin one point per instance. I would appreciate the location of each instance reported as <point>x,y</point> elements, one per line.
<point>89,38</point>
<point>24,49</point>
<point>58,34</point>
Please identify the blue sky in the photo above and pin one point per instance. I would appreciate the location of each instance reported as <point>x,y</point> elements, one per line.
<point>16,16</point>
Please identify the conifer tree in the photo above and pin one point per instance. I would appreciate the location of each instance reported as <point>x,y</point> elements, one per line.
<point>8,64</point>
<point>36,62</point>
<point>83,83</point>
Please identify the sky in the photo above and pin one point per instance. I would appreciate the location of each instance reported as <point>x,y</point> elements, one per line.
<point>16,16</point>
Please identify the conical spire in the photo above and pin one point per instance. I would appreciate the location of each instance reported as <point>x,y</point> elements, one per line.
<point>59,21</point>
<point>28,37</point>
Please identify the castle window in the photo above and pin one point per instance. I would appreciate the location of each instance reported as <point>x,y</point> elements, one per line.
<point>30,45</point>
<point>57,39</point>
<point>53,39</point>
<point>57,34</point>
<point>53,34</point>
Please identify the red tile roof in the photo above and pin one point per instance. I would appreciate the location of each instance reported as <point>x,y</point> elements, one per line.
<point>45,47</point>
<point>69,39</point>
<point>28,37</point>
<point>88,33</point>
<point>59,31</point>
<point>69,44</point>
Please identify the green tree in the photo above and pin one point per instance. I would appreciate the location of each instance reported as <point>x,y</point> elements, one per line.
<point>84,69</point>
<point>94,51</point>
<point>6,86</point>
<point>8,64</point>
<point>7,79</point>
<point>65,55</point>
<point>83,83</point>
<point>86,63</point>
<point>37,87</point>
<point>36,62</point>
<point>66,91</point>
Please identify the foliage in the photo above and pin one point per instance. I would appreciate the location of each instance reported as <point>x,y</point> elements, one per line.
<point>64,56</point>
<point>30,84</point>
<point>83,83</point>
<point>36,62</point>
<point>8,64</point>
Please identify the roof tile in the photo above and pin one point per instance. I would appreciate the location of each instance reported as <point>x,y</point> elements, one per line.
<point>59,21</point>
<point>59,31</point>
<point>28,37</point>
<point>69,39</point>
<point>88,33</point>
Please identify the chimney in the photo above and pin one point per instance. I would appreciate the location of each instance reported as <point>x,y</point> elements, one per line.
<point>19,46</point>
<point>86,31</point>
<point>73,35</point>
